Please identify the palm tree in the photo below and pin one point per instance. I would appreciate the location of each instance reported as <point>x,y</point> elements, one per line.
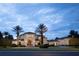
<point>41,29</point>
<point>17,29</point>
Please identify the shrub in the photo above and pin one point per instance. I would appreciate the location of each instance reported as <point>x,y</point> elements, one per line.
<point>4,46</point>
<point>75,46</point>
<point>44,46</point>
<point>22,46</point>
<point>51,45</point>
<point>36,45</point>
<point>14,45</point>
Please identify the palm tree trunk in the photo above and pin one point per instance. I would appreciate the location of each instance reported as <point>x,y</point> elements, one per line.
<point>41,38</point>
<point>18,38</point>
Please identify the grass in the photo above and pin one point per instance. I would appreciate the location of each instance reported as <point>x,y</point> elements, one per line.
<point>39,49</point>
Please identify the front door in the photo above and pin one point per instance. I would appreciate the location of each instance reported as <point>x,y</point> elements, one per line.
<point>29,43</point>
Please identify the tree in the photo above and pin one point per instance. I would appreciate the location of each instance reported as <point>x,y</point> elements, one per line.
<point>7,41</point>
<point>6,34</point>
<point>74,41</point>
<point>17,29</point>
<point>73,33</point>
<point>41,29</point>
<point>10,37</point>
<point>1,38</point>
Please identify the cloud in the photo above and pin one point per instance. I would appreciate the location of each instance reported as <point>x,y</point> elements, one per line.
<point>57,24</point>
<point>8,9</point>
<point>57,20</point>
<point>45,10</point>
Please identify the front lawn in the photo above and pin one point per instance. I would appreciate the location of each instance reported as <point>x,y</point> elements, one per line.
<point>39,49</point>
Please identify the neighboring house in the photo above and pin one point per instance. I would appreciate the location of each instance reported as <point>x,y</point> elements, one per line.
<point>63,41</point>
<point>29,39</point>
<point>74,41</point>
<point>59,41</point>
<point>53,42</point>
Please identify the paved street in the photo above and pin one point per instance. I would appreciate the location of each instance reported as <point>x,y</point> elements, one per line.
<point>39,53</point>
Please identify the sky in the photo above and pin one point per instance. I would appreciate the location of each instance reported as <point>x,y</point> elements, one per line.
<point>59,18</point>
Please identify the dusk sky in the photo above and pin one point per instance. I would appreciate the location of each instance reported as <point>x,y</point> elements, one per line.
<point>59,18</point>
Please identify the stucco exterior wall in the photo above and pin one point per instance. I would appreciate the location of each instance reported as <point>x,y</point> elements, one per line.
<point>30,37</point>
<point>53,43</point>
<point>64,41</point>
<point>15,42</point>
